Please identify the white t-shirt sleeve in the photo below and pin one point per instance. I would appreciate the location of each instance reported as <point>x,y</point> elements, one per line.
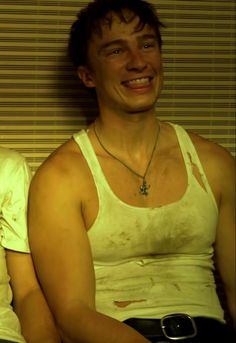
<point>14,184</point>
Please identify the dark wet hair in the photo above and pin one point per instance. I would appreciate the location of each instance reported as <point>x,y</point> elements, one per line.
<point>90,18</point>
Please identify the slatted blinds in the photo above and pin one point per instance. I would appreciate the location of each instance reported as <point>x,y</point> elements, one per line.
<point>42,103</point>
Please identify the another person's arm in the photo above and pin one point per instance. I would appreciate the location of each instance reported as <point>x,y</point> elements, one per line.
<point>28,301</point>
<point>62,256</point>
<point>37,323</point>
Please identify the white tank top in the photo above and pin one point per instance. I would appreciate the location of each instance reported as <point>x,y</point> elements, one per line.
<point>160,259</point>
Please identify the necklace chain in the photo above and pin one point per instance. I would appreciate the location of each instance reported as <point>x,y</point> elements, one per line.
<point>144,187</point>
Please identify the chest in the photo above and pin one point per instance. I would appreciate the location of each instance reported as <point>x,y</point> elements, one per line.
<point>177,215</point>
<point>166,180</point>
<point>186,226</point>
<point>160,180</point>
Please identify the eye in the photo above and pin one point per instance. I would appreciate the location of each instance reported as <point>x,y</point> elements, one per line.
<point>149,44</point>
<point>115,51</point>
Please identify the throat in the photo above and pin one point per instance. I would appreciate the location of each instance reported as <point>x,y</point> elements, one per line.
<point>144,187</point>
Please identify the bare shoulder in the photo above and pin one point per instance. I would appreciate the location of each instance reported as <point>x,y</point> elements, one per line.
<point>217,161</point>
<point>211,152</point>
<point>63,168</point>
<point>213,156</point>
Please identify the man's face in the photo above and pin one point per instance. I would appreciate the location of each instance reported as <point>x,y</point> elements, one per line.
<point>125,67</point>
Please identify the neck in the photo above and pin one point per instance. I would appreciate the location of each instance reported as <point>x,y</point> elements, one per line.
<point>144,187</point>
<point>132,139</point>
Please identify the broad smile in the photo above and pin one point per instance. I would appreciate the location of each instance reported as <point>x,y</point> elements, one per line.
<point>138,82</point>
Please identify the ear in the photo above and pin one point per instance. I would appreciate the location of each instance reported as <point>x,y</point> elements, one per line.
<point>86,76</point>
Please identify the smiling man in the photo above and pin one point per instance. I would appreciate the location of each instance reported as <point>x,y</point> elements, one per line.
<point>124,66</point>
<point>126,217</point>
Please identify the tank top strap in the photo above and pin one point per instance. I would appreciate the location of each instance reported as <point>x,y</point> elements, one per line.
<point>183,143</point>
<point>81,138</point>
<point>191,157</point>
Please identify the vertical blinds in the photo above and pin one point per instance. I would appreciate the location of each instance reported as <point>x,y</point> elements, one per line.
<point>42,103</point>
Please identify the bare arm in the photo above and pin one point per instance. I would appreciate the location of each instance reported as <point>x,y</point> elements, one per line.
<point>29,303</point>
<point>219,166</point>
<point>225,239</point>
<point>62,257</point>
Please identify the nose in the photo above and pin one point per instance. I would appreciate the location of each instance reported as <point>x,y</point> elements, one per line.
<point>136,60</point>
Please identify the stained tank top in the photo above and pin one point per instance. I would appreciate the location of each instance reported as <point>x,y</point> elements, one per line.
<point>158,259</point>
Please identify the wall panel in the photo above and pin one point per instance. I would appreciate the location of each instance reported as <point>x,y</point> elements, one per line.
<point>42,103</point>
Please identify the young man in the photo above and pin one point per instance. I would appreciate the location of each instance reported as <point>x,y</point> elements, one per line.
<point>123,217</point>
<point>16,265</point>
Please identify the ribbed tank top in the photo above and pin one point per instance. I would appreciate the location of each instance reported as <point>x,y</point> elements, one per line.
<point>160,258</point>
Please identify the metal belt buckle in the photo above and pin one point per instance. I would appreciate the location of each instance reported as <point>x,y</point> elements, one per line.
<point>178,326</point>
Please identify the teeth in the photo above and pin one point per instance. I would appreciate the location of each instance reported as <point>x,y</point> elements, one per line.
<point>143,80</point>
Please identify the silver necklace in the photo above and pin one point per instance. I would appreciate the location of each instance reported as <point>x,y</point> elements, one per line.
<point>144,187</point>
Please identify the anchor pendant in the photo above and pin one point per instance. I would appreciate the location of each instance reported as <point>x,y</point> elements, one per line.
<point>144,188</point>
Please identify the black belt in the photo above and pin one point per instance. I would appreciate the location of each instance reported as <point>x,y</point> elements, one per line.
<point>177,327</point>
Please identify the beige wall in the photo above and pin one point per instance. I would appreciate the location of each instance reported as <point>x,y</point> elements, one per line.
<point>42,103</point>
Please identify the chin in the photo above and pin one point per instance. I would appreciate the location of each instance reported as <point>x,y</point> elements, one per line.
<point>142,108</point>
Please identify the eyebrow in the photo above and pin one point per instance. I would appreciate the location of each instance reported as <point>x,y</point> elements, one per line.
<point>123,41</point>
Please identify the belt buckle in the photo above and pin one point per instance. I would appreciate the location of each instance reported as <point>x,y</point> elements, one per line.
<point>178,326</point>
